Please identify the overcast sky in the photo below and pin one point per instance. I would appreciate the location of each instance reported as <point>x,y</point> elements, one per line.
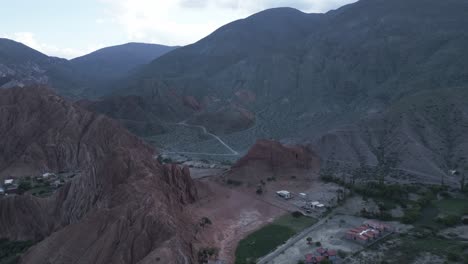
<point>71,28</point>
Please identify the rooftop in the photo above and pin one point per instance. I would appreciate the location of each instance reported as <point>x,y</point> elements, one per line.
<point>9,181</point>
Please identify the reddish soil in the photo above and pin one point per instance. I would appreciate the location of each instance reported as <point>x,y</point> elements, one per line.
<point>234,213</point>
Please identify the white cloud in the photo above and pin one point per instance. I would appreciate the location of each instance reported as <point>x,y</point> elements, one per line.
<point>180,22</point>
<point>29,39</point>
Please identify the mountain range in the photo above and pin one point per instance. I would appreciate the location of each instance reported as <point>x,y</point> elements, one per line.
<point>311,77</point>
<point>89,76</point>
<point>288,75</point>
<point>377,83</point>
<point>121,207</point>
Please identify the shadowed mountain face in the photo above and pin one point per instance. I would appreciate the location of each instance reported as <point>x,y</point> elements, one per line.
<point>302,75</point>
<point>93,75</point>
<point>123,206</point>
<point>89,76</point>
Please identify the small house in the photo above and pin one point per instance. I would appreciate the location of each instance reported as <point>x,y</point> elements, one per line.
<point>321,251</point>
<point>313,259</point>
<point>320,206</point>
<point>56,184</point>
<point>310,259</point>
<point>332,254</point>
<point>303,195</point>
<point>8,182</point>
<point>378,226</point>
<point>48,175</point>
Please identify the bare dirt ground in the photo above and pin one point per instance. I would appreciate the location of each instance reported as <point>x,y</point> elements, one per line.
<point>197,173</point>
<point>236,211</point>
<point>233,213</point>
<point>331,235</point>
<point>459,231</point>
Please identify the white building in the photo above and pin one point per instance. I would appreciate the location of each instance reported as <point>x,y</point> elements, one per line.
<point>284,194</point>
<point>8,181</point>
<point>317,205</point>
<point>47,175</point>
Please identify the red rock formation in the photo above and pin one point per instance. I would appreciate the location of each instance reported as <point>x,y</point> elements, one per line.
<point>192,103</point>
<point>124,207</point>
<point>275,154</point>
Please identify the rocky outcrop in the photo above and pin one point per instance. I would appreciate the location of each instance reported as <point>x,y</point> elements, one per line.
<point>227,119</point>
<point>124,207</point>
<point>278,155</point>
<point>270,160</point>
<point>134,112</point>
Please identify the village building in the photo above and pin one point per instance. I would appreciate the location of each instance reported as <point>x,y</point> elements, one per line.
<point>284,194</point>
<point>368,232</point>
<point>320,255</point>
<point>57,184</point>
<point>8,182</point>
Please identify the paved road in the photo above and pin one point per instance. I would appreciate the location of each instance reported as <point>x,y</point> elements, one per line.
<point>292,241</point>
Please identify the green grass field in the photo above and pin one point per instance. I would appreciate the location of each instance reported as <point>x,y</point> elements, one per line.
<point>457,207</point>
<point>10,251</point>
<point>266,239</point>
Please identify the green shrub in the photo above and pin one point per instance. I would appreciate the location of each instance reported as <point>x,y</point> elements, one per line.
<point>451,256</point>
<point>411,215</point>
<point>449,220</point>
<point>342,254</point>
<point>234,182</point>
<point>296,214</point>
<point>24,186</point>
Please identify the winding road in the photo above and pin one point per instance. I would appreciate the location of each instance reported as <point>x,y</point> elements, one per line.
<point>205,131</point>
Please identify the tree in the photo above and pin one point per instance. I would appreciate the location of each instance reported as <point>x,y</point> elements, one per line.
<point>205,221</point>
<point>296,214</point>
<point>24,186</point>
<point>309,240</point>
<point>259,190</point>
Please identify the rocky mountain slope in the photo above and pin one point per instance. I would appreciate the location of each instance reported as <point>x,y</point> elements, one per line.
<point>423,134</point>
<point>21,65</point>
<point>304,75</point>
<point>124,207</point>
<point>91,75</point>
<point>94,74</point>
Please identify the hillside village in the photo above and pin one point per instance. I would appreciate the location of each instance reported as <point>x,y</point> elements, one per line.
<point>42,185</point>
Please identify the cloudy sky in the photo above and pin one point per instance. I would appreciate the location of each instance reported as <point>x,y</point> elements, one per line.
<point>70,28</point>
